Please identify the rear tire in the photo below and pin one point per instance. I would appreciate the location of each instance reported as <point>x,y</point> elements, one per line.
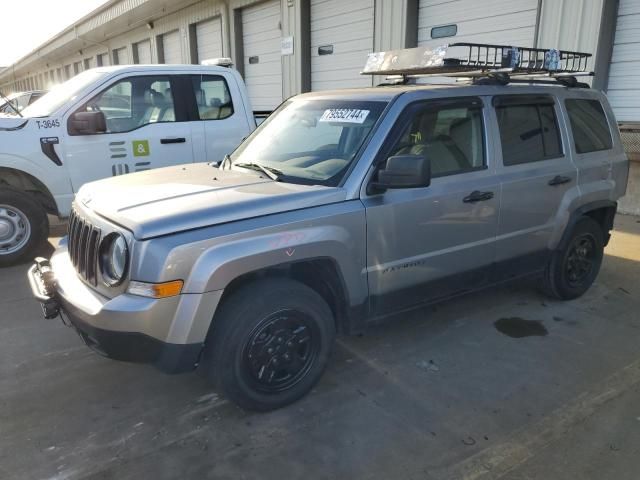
<point>269,343</point>
<point>573,269</point>
<point>23,226</point>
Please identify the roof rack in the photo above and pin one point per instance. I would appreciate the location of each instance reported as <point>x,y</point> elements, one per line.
<point>472,60</point>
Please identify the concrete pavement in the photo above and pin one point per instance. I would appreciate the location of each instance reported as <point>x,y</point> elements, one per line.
<point>435,394</point>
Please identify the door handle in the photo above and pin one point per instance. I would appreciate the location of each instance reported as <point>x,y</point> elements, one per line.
<point>477,196</point>
<point>166,141</point>
<point>559,180</point>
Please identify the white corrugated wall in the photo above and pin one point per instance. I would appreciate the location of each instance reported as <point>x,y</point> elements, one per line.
<point>624,74</point>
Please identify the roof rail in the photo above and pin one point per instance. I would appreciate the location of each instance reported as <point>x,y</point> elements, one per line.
<point>478,60</point>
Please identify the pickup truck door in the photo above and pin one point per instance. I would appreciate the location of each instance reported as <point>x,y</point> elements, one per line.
<point>147,128</point>
<point>222,116</point>
<point>428,243</point>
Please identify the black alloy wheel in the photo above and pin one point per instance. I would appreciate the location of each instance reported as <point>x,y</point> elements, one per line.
<point>572,269</point>
<point>269,343</point>
<point>580,260</point>
<point>281,350</point>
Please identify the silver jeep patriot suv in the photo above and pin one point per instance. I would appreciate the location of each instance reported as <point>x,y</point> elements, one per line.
<point>341,208</point>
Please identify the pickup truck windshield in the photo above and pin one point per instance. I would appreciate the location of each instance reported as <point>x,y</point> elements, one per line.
<point>61,94</point>
<point>310,141</point>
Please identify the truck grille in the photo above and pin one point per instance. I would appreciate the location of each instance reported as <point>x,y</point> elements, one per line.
<point>84,243</point>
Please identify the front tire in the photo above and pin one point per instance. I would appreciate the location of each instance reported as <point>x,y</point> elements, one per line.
<point>573,269</point>
<point>269,344</point>
<point>23,226</point>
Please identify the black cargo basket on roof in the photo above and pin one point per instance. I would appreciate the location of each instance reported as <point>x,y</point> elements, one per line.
<point>469,59</point>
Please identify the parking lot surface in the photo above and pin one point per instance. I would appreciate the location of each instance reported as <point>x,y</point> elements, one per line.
<point>503,383</point>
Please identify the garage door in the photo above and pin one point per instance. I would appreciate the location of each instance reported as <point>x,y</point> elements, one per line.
<point>262,59</point>
<point>172,47</point>
<point>144,52</point>
<point>507,22</point>
<point>624,74</point>
<point>209,39</point>
<point>120,56</point>
<point>102,60</point>
<point>341,38</point>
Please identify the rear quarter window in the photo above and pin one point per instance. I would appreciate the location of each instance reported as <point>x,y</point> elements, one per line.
<point>589,125</point>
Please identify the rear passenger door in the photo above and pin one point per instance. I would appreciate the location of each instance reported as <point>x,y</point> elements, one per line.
<point>222,116</point>
<point>535,176</point>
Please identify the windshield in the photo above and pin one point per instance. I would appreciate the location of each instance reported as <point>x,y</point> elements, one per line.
<point>61,94</point>
<point>311,141</point>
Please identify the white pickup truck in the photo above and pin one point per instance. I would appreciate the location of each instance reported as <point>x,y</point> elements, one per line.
<point>111,121</point>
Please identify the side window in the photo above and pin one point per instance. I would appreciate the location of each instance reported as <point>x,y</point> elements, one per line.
<point>450,136</point>
<point>589,125</point>
<point>212,97</point>
<point>34,97</point>
<point>134,102</point>
<point>528,132</point>
<point>23,101</point>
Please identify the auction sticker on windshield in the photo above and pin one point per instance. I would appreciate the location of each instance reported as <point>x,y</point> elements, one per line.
<point>345,115</point>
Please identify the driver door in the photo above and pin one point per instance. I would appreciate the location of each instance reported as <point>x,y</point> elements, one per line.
<point>431,242</point>
<point>146,128</point>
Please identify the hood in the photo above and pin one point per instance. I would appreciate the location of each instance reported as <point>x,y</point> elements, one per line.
<point>170,200</point>
<point>12,123</point>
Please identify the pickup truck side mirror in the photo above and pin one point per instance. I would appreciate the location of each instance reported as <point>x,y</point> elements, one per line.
<point>404,171</point>
<point>87,123</point>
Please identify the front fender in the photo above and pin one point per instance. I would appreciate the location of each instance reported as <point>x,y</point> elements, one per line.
<point>35,164</point>
<point>220,265</point>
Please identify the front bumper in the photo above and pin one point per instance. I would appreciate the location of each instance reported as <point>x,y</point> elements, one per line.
<point>127,327</point>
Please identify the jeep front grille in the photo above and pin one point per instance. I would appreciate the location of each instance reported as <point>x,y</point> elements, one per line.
<point>84,243</point>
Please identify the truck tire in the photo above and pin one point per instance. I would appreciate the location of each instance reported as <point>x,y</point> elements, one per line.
<point>23,226</point>
<point>573,269</point>
<point>269,344</point>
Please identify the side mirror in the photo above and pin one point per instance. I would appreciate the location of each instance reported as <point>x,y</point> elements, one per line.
<point>404,171</point>
<point>87,123</point>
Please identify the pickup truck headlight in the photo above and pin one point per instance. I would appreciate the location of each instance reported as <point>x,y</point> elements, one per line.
<point>114,259</point>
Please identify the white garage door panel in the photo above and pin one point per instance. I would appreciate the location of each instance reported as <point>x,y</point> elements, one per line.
<point>628,7</point>
<point>144,52</point>
<point>624,73</point>
<point>348,27</point>
<point>626,53</point>
<point>172,47</point>
<point>261,39</point>
<point>622,99</point>
<point>491,21</point>
<point>123,56</point>
<point>209,39</point>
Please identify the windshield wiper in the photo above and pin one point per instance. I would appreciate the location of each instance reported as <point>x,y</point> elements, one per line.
<point>10,104</point>
<point>272,173</point>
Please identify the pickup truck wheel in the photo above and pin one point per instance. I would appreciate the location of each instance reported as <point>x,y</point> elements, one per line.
<point>270,343</point>
<point>23,226</point>
<point>573,269</point>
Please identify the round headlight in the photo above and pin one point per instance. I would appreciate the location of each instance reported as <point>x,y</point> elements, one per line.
<point>115,257</point>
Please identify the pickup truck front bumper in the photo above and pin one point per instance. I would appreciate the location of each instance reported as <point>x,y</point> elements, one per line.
<point>102,323</point>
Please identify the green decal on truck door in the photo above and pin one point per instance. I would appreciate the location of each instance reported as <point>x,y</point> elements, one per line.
<point>141,148</point>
